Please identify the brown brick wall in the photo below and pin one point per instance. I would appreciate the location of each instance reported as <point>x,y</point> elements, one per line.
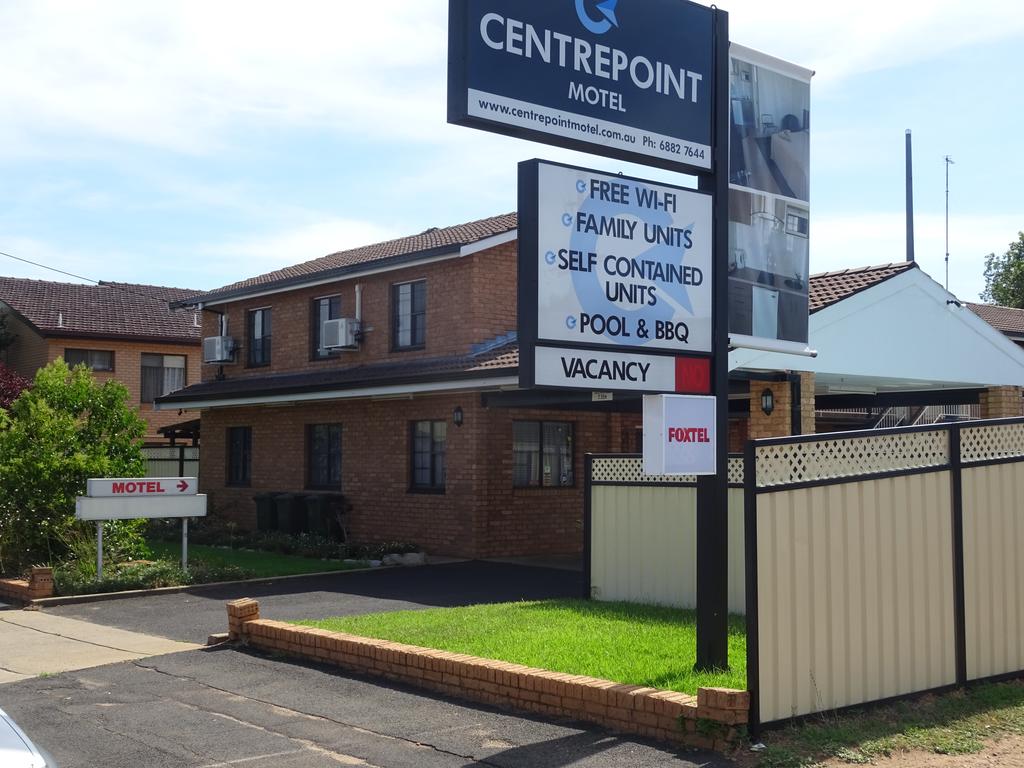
<point>27,353</point>
<point>713,719</point>
<point>780,422</point>
<point>1001,402</point>
<point>469,300</point>
<point>480,514</point>
<point>128,370</point>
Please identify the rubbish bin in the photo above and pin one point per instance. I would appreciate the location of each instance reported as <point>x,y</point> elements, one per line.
<point>266,512</point>
<point>291,513</point>
<point>316,514</point>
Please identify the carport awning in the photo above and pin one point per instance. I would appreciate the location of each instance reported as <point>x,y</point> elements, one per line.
<point>903,334</point>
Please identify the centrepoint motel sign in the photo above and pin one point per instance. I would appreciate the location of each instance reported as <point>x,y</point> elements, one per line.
<point>620,78</point>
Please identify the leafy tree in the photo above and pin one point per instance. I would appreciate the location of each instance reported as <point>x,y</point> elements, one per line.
<point>64,429</point>
<point>1004,276</point>
<point>11,385</point>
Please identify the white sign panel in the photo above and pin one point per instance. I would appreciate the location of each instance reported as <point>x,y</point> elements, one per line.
<point>589,369</point>
<point>122,487</point>
<point>622,262</point>
<point>679,435</point>
<point>153,507</point>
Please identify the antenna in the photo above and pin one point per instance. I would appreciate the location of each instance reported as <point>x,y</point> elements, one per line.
<point>949,162</point>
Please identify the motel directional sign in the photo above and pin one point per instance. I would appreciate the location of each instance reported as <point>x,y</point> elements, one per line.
<point>126,487</point>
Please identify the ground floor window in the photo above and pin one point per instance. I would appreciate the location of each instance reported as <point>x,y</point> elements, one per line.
<point>323,456</point>
<point>429,440</point>
<point>542,454</point>
<point>239,469</point>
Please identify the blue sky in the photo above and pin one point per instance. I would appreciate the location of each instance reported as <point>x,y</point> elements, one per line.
<point>194,143</point>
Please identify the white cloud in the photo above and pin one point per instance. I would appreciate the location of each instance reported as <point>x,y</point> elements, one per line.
<point>252,255</point>
<point>183,75</point>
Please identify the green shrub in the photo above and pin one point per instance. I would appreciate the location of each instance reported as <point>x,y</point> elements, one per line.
<point>63,430</point>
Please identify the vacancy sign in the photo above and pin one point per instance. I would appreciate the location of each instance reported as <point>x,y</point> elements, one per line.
<point>120,487</point>
<point>679,435</point>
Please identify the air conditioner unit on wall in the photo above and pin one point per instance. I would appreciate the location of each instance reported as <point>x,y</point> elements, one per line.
<point>342,333</point>
<point>218,349</point>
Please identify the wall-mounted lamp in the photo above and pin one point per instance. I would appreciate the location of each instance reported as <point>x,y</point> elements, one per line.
<point>767,402</point>
<point>457,416</point>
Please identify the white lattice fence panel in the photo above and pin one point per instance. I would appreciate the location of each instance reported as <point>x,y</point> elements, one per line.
<point>735,470</point>
<point>629,470</point>
<point>829,459</point>
<point>998,441</point>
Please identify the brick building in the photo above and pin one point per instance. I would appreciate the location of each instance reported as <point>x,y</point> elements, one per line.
<point>410,423</point>
<point>121,331</point>
<point>420,422</point>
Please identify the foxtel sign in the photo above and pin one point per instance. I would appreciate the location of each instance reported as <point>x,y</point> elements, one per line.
<point>679,435</point>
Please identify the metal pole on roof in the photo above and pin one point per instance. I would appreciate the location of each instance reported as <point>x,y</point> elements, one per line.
<point>949,162</point>
<point>910,200</point>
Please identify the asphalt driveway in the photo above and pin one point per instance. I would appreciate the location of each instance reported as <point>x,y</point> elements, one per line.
<point>228,707</point>
<point>191,616</point>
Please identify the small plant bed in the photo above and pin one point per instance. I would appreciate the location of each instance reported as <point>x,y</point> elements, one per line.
<point>79,578</point>
<point>625,643</point>
<point>255,564</point>
<point>957,723</point>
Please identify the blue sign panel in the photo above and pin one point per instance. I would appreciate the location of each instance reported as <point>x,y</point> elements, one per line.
<point>631,79</point>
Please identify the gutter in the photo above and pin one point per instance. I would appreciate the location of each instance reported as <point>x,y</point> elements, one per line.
<point>392,391</point>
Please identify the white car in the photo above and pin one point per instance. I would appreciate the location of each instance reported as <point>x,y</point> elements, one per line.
<point>17,749</point>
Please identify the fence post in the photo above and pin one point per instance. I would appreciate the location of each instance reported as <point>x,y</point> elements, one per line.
<point>750,573</point>
<point>959,600</point>
<point>588,529</point>
<point>181,461</point>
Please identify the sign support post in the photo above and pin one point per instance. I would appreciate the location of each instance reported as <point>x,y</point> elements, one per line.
<point>184,543</point>
<point>713,490</point>
<point>99,549</point>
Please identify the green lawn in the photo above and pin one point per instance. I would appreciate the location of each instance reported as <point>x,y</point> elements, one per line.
<point>632,644</point>
<point>955,723</point>
<point>260,564</point>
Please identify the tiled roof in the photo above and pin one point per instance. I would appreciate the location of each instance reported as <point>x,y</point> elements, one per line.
<point>1009,320</point>
<point>827,288</point>
<point>500,361</point>
<point>115,310</point>
<point>431,239</point>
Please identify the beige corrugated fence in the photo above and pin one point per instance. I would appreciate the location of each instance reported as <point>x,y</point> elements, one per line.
<point>855,597</point>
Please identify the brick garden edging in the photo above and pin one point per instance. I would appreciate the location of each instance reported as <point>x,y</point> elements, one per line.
<point>39,584</point>
<point>713,719</point>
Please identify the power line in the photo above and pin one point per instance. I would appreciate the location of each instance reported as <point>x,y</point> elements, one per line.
<point>103,283</point>
<point>52,269</point>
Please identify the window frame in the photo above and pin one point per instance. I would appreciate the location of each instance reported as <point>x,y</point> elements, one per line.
<point>316,327</point>
<point>142,378</point>
<point>245,457</point>
<point>539,485</point>
<point>87,352</point>
<point>421,326</point>
<point>310,484</point>
<point>432,487</point>
<point>265,341</point>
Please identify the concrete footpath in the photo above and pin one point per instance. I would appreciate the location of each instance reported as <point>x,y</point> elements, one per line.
<point>34,643</point>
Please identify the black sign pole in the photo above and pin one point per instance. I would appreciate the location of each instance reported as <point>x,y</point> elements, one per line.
<point>713,491</point>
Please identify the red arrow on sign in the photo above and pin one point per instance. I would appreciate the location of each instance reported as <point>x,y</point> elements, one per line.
<point>182,486</point>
